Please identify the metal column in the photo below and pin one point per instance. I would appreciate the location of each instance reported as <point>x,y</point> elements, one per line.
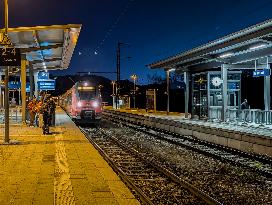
<point>36,83</point>
<point>118,74</point>
<point>168,90</point>
<point>23,88</point>
<point>6,137</point>
<point>224,77</point>
<point>267,91</point>
<point>186,96</point>
<point>31,82</point>
<point>1,97</point>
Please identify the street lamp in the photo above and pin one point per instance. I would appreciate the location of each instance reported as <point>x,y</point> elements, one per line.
<point>113,86</point>
<point>114,102</point>
<point>134,78</point>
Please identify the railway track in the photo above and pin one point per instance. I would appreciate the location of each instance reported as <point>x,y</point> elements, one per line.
<point>152,183</point>
<point>256,163</point>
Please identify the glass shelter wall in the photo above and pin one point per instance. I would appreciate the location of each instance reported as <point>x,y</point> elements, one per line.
<point>199,96</point>
<point>207,94</point>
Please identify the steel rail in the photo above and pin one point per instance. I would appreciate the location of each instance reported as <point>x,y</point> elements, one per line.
<point>205,197</point>
<point>259,157</point>
<point>144,199</point>
<point>117,119</point>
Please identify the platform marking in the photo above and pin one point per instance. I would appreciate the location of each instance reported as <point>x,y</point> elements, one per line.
<point>63,193</point>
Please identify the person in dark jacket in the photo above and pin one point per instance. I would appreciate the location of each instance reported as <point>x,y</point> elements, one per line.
<point>46,117</point>
<point>244,105</point>
<point>52,110</point>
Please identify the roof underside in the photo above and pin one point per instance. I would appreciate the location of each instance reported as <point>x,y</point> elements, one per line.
<point>241,48</point>
<point>49,47</point>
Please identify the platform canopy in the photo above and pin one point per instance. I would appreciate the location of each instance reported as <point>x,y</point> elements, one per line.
<point>46,47</point>
<point>241,50</point>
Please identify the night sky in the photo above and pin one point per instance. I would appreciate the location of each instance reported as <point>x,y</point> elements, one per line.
<point>154,29</point>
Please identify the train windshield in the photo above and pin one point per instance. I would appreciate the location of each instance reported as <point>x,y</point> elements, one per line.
<point>86,95</point>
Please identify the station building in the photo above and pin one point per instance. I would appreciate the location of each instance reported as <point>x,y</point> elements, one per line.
<point>212,74</point>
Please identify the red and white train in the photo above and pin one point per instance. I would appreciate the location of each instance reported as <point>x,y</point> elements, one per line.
<point>83,103</point>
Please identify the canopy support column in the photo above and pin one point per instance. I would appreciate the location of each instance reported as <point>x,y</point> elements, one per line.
<point>1,96</point>
<point>186,94</point>
<point>267,91</point>
<point>23,88</point>
<point>224,77</point>
<point>31,82</point>
<point>168,90</point>
<point>36,83</point>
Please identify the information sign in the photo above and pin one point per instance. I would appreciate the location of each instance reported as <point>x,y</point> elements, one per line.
<point>46,85</point>
<point>43,76</point>
<point>259,73</point>
<point>9,56</point>
<point>15,85</point>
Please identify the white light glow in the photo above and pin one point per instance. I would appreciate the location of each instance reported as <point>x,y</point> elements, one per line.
<point>172,69</point>
<point>85,84</point>
<point>257,46</point>
<point>43,63</point>
<point>95,104</point>
<point>79,104</point>
<point>225,55</point>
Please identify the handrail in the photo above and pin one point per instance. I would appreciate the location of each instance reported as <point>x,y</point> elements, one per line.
<point>15,114</point>
<point>257,116</point>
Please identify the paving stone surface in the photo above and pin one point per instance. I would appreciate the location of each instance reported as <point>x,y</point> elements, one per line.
<point>62,168</point>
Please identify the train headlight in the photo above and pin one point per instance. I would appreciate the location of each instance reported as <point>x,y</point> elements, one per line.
<point>95,104</point>
<point>79,104</point>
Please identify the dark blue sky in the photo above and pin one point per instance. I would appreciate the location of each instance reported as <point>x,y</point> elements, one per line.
<point>155,29</point>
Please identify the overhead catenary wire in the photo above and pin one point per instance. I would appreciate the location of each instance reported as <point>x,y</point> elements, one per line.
<point>113,26</point>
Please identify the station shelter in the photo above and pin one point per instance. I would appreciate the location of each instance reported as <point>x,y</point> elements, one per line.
<point>43,49</point>
<point>212,75</point>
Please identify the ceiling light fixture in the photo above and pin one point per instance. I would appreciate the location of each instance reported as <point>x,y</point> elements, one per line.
<point>225,55</point>
<point>257,46</point>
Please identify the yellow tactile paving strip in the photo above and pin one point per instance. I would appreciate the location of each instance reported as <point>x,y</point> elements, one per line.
<point>62,168</point>
<point>143,112</point>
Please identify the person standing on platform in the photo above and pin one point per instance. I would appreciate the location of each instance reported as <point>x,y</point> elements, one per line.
<point>39,120</point>
<point>46,117</point>
<point>244,105</point>
<point>52,111</point>
<point>31,107</point>
<point>245,112</point>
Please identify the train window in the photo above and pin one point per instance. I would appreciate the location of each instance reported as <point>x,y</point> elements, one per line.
<point>86,95</point>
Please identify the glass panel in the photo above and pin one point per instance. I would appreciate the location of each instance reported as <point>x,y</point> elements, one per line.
<point>199,102</point>
<point>86,95</point>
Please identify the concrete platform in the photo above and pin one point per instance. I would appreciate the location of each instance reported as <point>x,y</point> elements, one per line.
<point>250,138</point>
<point>62,168</point>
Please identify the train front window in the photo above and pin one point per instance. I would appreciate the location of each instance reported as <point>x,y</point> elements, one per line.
<point>86,95</point>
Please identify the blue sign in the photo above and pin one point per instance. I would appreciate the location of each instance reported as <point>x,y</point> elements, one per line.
<point>43,76</point>
<point>46,85</point>
<point>233,85</point>
<point>259,73</point>
<point>15,85</point>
